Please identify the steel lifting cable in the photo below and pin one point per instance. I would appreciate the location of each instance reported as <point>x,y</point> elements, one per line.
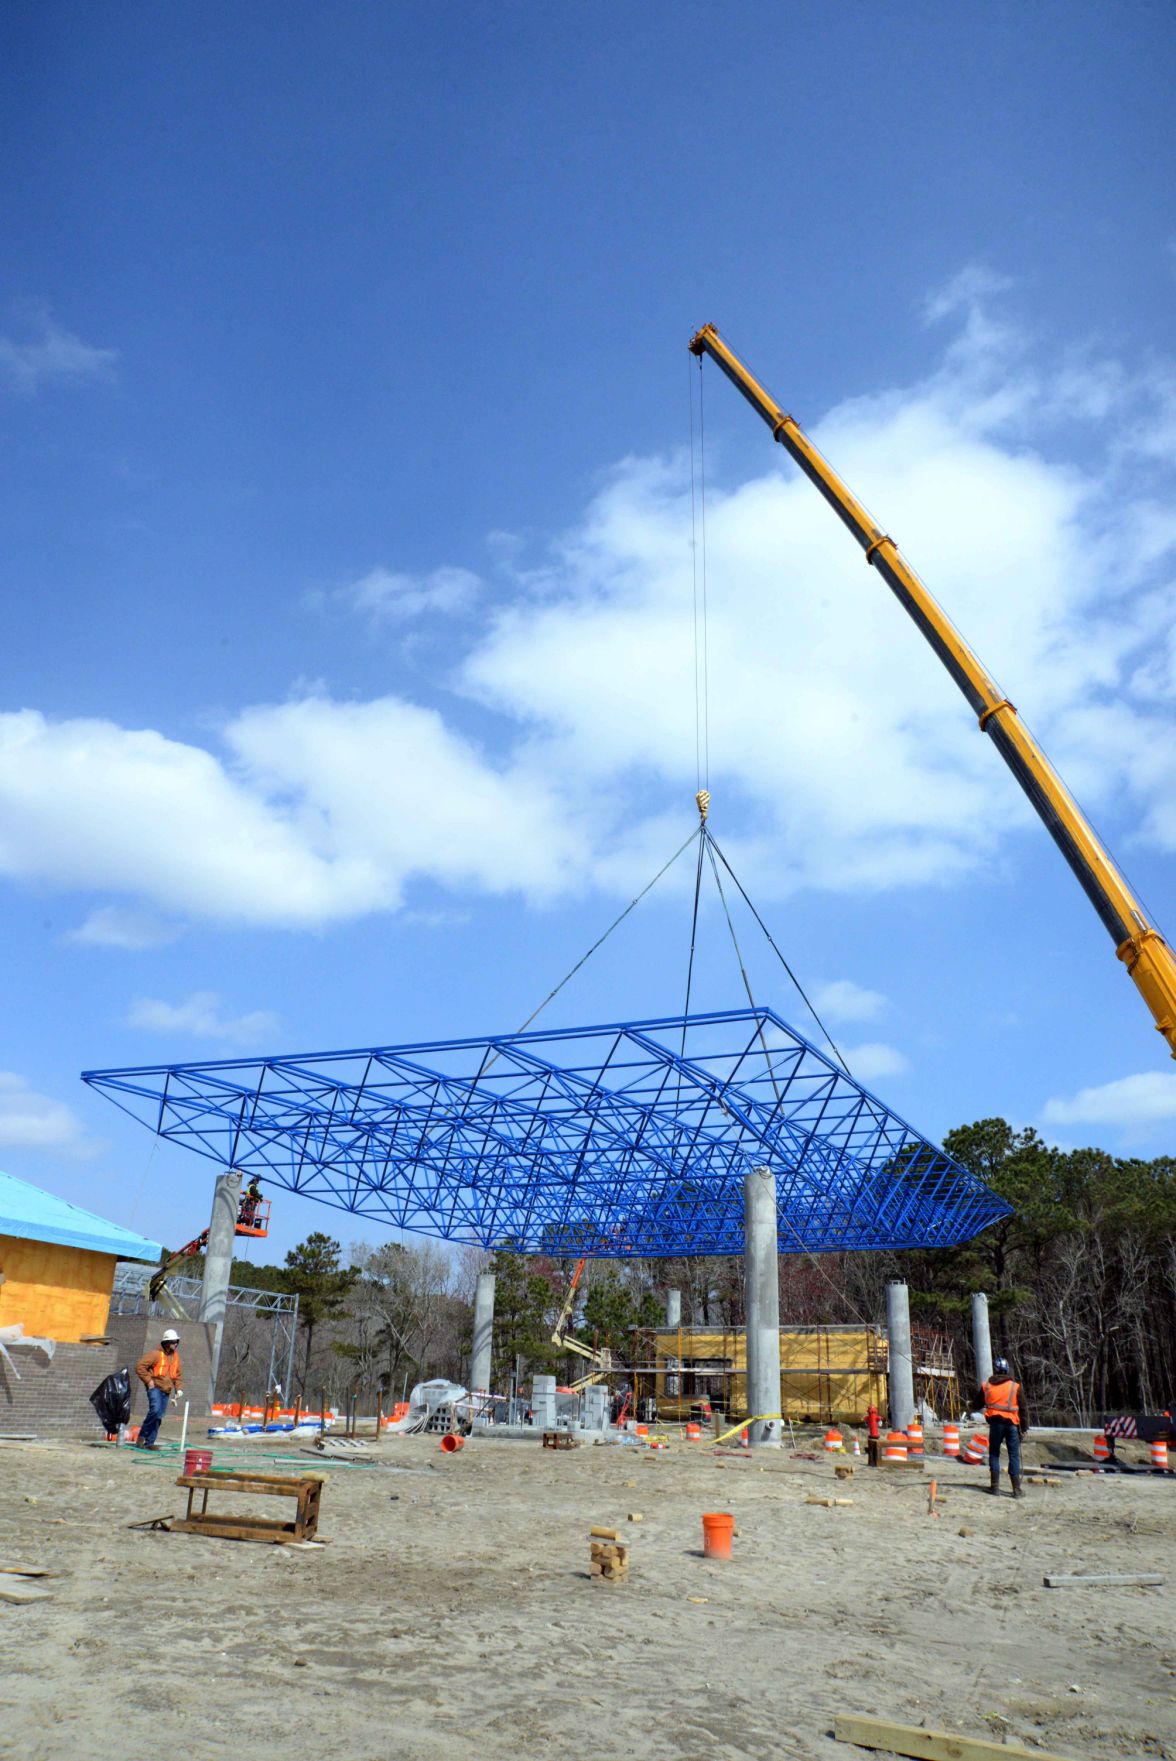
<point>772,944</point>
<point>712,849</point>
<point>615,924</point>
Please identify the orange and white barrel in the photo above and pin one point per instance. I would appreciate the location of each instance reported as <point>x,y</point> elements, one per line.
<point>1159,1455</point>
<point>693,1432</point>
<point>1102,1447</point>
<point>951,1439</point>
<point>896,1447</point>
<point>976,1448</point>
<point>834,1442</point>
<point>915,1437</point>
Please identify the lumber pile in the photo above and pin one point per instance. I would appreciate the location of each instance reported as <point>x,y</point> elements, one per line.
<point>608,1561</point>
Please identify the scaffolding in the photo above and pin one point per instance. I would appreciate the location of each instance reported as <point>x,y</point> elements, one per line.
<point>828,1374</point>
<point>130,1296</point>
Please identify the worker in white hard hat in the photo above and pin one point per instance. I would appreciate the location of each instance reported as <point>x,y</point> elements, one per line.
<point>160,1374</point>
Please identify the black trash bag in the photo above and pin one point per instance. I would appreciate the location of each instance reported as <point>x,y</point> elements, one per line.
<point>111,1400</point>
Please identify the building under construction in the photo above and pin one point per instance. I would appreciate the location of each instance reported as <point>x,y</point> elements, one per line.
<point>828,1374</point>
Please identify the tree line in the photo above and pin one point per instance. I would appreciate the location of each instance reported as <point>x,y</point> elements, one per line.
<point>1081,1283</point>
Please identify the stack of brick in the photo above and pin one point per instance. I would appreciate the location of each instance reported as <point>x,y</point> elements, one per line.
<point>609,1557</point>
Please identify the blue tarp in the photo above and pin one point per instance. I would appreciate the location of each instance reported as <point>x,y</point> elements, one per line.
<point>30,1214</point>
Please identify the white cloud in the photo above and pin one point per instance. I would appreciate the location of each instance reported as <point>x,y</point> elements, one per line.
<point>873,1059</point>
<point>115,926</point>
<point>842,757</point>
<point>200,1017</point>
<point>50,355</point>
<point>32,1121</point>
<point>843,1000</point>
<point>1129,1101</point>
<point>387,597</point>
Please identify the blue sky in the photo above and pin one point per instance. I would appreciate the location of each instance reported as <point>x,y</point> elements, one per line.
<point>346,681</point>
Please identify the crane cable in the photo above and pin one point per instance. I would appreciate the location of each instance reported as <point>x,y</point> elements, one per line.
<point>699,577</point>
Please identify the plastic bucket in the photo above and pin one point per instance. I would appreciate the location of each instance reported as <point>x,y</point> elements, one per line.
<point>717,1528</point>
<point>197,1461</point>
<point>451,1443</point>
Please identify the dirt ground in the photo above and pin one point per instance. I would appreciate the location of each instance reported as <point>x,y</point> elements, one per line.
<point>451,1611</point>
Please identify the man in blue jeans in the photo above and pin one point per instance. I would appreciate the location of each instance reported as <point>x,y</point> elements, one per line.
<point>159,1372</point>
<point>1008,1421</point>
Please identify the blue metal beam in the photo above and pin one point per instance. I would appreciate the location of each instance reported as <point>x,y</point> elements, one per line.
<point>628,1138</point>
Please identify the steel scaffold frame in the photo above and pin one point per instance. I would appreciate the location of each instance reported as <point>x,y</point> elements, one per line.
<point>630,1138</point>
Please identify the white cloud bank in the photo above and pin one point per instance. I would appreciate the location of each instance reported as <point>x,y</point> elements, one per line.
<point>842,1000</point>
<point>841,755</point>
<point>32,1121</point>
<point>387,597</point>
<point>200,1016</point>
<point>1130,1101</point>
<point>873,1058</point>
<point>47,354</point>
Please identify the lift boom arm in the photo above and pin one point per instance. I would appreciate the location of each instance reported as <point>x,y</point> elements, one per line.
<point>1138,943</point>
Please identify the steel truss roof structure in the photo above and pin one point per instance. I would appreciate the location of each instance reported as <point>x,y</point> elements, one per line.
<point>619,1140</point>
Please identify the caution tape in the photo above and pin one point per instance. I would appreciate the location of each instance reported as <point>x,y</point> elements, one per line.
<point>757,1418</point>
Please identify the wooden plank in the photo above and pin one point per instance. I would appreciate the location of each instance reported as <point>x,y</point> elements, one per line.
<point>1102,1579</point>
<point>26,1571</point>
<point>24,1593</point>
<point>236,1531</point>
<point>930,1745</point>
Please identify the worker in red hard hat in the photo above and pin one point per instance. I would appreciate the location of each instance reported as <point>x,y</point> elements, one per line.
<point>1004,1406</point>
<point>159,1371</point>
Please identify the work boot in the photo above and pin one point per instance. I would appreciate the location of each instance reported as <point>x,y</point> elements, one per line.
<point>994,1481</point>
<point>1017,1492</point>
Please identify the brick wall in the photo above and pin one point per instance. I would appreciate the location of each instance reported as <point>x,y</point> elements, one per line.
<point>54,1398</point>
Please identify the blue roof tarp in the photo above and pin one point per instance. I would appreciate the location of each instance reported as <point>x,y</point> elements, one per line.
<point>30,1214</point>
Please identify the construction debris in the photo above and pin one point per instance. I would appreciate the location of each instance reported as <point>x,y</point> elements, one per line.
<point>609,1562</point>
<point>929,1745</point>
<point>1104,1580</point>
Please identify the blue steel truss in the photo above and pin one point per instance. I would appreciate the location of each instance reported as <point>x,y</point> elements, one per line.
<point>619,1140</point>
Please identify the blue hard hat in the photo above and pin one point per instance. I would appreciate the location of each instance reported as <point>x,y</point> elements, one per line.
<point>1001,1366</point>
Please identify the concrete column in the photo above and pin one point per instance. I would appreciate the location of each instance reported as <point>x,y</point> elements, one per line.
<point>981,1337</point>
<point>761,1289</point>
<point>483,1333</point>
<point>901,1367</point>
<point>673,1320</point>
<point>218,1266</point>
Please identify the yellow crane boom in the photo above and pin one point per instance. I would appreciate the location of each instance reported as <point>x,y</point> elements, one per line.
<point>1138,943</point>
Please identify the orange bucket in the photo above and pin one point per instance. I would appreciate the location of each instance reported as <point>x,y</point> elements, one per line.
<point>451,1443</point>
<point>717,1528</point>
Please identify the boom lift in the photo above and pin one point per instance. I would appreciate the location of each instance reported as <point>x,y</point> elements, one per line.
<point>599,1356</point>
<point>1138,943</point>
<point>252,1219</point>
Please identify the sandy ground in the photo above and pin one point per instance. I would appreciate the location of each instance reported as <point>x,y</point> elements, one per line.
<point>451,1611</point>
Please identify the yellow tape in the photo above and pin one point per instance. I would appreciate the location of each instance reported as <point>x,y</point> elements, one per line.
<point>743,1424</point>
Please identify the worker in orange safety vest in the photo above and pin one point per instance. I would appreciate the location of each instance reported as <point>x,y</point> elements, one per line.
<point>160,1372</point>
<point>1004,1406</point>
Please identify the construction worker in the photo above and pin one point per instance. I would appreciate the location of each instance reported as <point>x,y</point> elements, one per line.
<point>250,1199</point>
<point>1008,1421</point>
<point>159,1373</point>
